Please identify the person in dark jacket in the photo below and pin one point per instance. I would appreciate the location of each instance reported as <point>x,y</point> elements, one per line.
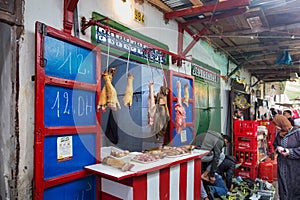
<point>287,147</point>
<point>213,142</point>
<point>226,170</point>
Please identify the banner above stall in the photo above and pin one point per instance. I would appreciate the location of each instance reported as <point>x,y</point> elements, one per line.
<point>127,41</point>
<point>205,74</point>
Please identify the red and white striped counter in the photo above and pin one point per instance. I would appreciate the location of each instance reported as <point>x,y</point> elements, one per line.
<point>167,179</point>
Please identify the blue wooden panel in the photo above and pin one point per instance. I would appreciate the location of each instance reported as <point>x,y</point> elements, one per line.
<point>69,107</point>
<point>82,189</point>
<point>84,148</point>
<point>177,138</point>
<point>69,61</point>
<point>183,81</point>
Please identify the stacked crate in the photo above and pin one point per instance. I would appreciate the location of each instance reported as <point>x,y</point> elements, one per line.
<point>246,148</point>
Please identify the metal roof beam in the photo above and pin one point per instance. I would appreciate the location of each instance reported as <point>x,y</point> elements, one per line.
<point>161,5</point>
<point>234,12</point>
<point>258,67</point>
<point>207,8</point>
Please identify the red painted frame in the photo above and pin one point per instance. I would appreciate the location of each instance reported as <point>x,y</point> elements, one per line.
<point>40,130</point>
<point>174,99</point>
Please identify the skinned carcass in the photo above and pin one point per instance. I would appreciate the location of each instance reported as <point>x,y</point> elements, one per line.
<point>151,104</point>
<point>180,117</point>
<point>186,95</point>
<point>127,99</point>
<point>108,96</point>
<point>161,115</point>
<point>102,104</point>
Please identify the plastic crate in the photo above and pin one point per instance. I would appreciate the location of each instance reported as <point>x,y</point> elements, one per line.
<point>245,143</point>
<point>245,128</point>
<point>247,172</point>
<point>247,158</point>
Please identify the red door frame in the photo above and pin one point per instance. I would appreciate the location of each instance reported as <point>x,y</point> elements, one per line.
<point>40,130</point>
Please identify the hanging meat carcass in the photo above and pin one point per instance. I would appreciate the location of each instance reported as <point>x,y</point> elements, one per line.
<point>102,104</point>
<point>151,104</point>
<point>186,95</point>
<point>108,96</point>
<point>127,99</point>
<point>111,93</point>
<point>180,117</point>
<point>161,115</point>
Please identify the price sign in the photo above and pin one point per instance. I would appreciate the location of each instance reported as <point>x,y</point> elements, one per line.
<point>139,16</point>
<point>69,107</point>
<point>69,61</point>
<point>64,148</point>
<point>183,137</point>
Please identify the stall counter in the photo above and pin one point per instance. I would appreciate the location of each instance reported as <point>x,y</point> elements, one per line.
<point>168,178</point>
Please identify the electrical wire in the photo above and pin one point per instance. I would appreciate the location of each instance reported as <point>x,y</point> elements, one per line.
<point>128,57</point>
<point>164,77</point>
<point>148,64</point>
<point>213,12</point>
<point>108,49</point>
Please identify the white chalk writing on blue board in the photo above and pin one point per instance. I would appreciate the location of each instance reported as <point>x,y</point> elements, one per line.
<point>87,189</point>
<point>80,71</point>
<point>66,110</point>
<point>65,60</point>
<point>84,105</point>
<point>68,63</point>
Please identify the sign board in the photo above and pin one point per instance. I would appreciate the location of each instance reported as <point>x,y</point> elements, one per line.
<point>128,40</point>
<point>205,74</point>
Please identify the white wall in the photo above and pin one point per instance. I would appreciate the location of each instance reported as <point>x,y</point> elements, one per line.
<point>51,13</point>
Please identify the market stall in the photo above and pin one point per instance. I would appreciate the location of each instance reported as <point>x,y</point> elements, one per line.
<point>172,177</point>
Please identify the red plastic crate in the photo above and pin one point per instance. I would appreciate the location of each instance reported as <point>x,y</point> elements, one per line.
<point>247,172</point>
<point>246,158</point>
<point>245,143</point>
<point>245,128</point>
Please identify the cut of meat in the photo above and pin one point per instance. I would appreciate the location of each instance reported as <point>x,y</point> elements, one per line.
<point>180,117</point>
<point>161,115</point>
<point>108,96</point>
<point>151,104</point>
<point>127,100</point>
<point>186,95</point>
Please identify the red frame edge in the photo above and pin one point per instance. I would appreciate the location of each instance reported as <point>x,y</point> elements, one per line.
<point>40,131</point>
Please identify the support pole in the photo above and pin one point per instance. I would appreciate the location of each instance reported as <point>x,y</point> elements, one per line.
<point>180,39</point>
<point>69,7</point>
